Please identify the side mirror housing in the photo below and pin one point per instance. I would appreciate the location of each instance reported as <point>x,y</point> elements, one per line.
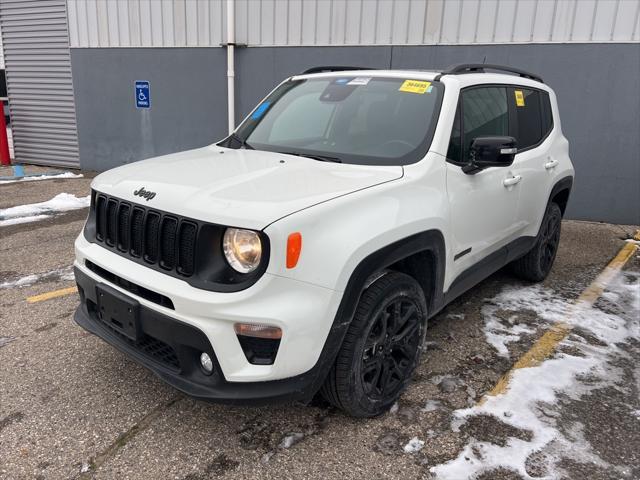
<point>490,152</point>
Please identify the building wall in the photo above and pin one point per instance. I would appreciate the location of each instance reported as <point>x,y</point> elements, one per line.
<point>587,50</point>
<point>188,102</point>
<point>202,23</point>
<point>596,84</point>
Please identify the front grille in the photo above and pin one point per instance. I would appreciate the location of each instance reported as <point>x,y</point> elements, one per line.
<point>159,238</point>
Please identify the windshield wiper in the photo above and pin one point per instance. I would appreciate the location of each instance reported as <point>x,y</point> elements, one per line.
<point>322,158</point>
<point>237,138</point>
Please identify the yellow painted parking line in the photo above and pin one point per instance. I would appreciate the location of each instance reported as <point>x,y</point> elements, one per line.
<point>546,345</point>
<point>52,294</point>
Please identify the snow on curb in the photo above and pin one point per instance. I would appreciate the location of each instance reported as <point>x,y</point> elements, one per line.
<point>535,388</point>
<point>32,212</point>
<point>36,178</point>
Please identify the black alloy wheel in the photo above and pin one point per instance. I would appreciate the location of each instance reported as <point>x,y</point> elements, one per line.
<point>390,348</point>
<point>381,349</point>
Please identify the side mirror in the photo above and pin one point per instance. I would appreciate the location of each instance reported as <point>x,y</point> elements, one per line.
<point>488,152</point>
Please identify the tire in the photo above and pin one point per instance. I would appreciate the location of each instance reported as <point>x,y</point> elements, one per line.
<point>378,357</point>
<point>536,264</point>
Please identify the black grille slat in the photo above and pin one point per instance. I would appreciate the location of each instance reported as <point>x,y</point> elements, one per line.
<point>187,248</point>
<point>112,222</point>
<point>151,228</point>
<point>168,232</point>
<point>137,231</point>
<point>123,227</point>
<point>160,239</point>
<point>101,217</point>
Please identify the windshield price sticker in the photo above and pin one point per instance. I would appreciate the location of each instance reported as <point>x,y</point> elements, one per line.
<point>415,86</point>
<point>519,98</point>
<point>359,81</point>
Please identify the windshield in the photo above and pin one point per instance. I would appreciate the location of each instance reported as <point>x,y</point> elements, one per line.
<point>359,120</point>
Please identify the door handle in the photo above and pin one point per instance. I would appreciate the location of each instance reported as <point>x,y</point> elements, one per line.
<point>551,164</point>
<point>508,182</point>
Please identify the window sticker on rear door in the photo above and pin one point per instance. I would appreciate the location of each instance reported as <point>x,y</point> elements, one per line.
<point>519,98</point>
<point>415,86</point>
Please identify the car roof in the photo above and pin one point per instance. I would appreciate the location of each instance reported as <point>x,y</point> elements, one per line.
<point>468,74</point>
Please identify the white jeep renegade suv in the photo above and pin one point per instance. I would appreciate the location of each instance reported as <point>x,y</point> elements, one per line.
<point>305,252</point>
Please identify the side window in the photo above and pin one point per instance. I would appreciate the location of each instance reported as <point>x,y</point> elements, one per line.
<point>547,115</point>
<point>528,111</point>
<point>484,113</point>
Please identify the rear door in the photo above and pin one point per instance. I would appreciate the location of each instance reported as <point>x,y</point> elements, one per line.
<point>534,161</point>
<point>483,205</point>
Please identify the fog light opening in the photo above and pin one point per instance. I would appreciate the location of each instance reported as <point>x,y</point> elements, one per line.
<point>206,363</point>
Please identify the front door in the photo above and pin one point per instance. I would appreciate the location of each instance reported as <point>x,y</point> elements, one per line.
<point>483,206</point>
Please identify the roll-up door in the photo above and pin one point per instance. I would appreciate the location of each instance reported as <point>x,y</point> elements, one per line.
<point>35,38</point>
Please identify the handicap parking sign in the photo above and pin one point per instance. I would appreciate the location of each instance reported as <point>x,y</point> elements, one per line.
<point>143,94</point>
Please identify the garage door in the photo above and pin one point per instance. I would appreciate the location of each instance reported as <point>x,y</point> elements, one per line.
<point>35,38</point>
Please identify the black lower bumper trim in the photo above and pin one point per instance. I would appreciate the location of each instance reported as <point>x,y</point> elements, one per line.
<point>186,342</point>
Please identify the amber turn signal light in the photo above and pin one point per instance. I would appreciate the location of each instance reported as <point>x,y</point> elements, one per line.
<point>258,331</point>
<point>294,247</point>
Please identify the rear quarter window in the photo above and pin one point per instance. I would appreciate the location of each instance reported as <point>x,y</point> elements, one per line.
<point>533,117</point>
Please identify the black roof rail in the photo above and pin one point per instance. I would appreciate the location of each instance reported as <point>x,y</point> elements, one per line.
<point>333,69</point>
<point>480,68</point>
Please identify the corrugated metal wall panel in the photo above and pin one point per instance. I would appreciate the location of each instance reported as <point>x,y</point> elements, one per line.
<point>146,23</point>
<point>38,66</point>
<point>201,23</point>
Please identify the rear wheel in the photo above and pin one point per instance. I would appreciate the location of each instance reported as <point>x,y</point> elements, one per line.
<point>537,263</point>
<point>381,348</point>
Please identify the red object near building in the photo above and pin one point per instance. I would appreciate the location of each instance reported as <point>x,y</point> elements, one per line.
<point>5,158</point>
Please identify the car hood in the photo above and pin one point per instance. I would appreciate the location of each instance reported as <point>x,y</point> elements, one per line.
<point>243,188</point>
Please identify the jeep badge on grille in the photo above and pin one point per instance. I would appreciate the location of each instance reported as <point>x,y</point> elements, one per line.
<point>144,193</point>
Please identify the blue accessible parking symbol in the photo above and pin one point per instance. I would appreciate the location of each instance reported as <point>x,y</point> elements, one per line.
<point>143,94</point>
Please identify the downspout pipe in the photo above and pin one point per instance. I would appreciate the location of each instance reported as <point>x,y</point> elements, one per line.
<point>231,41</point>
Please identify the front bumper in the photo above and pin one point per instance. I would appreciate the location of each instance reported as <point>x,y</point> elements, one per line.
<point>171,349</point>
<point>203,321</point>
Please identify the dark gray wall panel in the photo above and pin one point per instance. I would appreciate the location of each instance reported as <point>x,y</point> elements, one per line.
<point>188,102</point>
<point>597,87</point>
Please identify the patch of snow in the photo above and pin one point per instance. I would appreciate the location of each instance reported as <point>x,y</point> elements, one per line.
<point>63,274</point>
<point>500,331</point>
<point>414,445</point>
<point>36,178</point>
<point>534,391</point>
<point>16,221</point>
<point>291,439</point>
<point>432,406</point>
<point>38,211</point>
<point>6,340</point>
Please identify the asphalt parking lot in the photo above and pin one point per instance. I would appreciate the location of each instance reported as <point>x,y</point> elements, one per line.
<point>73,407</point>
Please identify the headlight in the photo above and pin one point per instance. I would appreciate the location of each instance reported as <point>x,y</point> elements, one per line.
<point>242,249</point>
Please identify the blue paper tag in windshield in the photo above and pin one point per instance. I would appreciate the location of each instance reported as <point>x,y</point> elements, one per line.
<point>260,111</point>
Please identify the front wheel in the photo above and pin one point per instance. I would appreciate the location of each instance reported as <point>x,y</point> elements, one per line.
<point>537,263</point>
<point>381,348</point>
